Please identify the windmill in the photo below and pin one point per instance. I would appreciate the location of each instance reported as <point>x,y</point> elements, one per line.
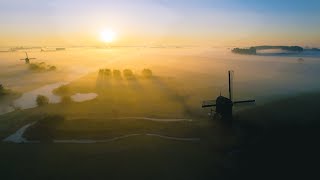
<point>223,104</point>
<point>27,59</point>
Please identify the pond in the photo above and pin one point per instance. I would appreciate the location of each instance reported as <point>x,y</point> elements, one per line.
<point>28,99</point>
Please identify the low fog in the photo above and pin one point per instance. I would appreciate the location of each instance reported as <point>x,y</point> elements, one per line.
<point>199,73</point>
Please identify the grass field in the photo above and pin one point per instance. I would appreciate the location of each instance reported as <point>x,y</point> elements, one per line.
<point>272,140</point>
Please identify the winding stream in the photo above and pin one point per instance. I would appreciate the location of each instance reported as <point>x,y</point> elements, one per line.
<point>17,137</point>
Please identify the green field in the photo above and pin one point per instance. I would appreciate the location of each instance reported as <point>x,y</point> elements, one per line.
<point>262,140</point>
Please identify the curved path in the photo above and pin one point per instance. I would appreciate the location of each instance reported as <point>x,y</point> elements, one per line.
<point>155,119</point>
<point>91,141</point>
<point>17,137</point>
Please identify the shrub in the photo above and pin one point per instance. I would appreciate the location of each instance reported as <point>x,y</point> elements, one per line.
<point>147,73</point>
<point>42,100</point>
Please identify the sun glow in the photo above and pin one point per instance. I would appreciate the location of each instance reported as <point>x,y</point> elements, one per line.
<point>108,36</point>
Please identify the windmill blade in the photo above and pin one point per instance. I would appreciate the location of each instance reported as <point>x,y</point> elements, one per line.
<point>27,54</point>
<point>245,101</point>
<point>230,77</point>
<point>22,59</point>
<point>32,58</point>
<point>210,103</point>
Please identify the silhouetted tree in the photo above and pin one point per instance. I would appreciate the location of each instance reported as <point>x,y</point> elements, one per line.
<point>101,72</point>
<point>62,90</point>
<point>147,73</point>
<point>250,51</point>
<point>116,73</point>
<point>42,100</point>
<point>128,73</point>
<point>52,68</point>
<point>107,72</point>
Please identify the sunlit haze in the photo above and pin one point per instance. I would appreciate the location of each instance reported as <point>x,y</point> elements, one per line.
<point>159,89</point>
<point>160,22</point>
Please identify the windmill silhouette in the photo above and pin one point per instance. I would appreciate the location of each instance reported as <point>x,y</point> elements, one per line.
<point>223,104</point>
<point>27,59</point>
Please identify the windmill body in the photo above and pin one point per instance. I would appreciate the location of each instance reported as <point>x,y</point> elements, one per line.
<point>27,59</point>
<point>223,104</point>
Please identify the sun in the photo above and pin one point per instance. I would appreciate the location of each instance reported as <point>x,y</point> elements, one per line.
<point>108,35</point>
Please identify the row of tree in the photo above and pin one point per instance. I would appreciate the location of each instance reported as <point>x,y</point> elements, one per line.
<point>127,73</point>
<point>250,51</point>
<point>253,50</point>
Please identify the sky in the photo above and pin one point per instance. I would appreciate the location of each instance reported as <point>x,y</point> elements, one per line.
<point>160,22</point>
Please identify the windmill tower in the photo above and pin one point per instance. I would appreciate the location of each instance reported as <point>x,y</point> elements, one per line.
<point>223,104</point>
<point>27,59</point>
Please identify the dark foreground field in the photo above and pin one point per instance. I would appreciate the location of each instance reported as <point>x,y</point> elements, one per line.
<point>274,141</point>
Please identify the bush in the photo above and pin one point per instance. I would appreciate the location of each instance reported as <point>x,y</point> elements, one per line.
<point>147,73</point>
<point>42,100</point>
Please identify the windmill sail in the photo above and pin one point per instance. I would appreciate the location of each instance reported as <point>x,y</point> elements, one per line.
<point>230,73</point>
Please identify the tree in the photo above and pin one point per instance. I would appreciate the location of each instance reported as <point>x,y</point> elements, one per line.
<point>62,90</point>
<point>128,73</point>
<point>107,72</point>
<point>52,68</point>
<point>42,100</point>
<point>116,73</point>
<point>250,51</point>
<point>147,73</point>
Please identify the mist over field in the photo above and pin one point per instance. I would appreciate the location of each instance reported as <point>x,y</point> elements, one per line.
<point>201,72</point>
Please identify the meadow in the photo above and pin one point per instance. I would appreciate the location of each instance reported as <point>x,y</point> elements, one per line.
<point>173,136</point>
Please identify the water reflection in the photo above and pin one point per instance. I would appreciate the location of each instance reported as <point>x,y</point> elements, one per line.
<point>28,99</point>
<point>79,97</point>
